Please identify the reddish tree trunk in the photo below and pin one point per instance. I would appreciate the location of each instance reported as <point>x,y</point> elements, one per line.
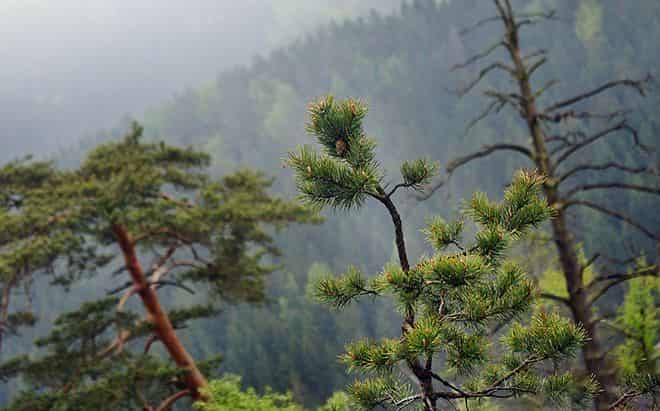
<point>156,314</point>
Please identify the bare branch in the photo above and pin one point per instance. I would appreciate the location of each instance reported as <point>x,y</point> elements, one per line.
<point>592,139</point>
<point>636,84</point>
<point>477,57</point>
<point>169,402</point>
<point>612,185</point>
<point>650,271</point>
<point>487,150</point>
<point>568,140</point>
<point>494,106</point>
<point>547,86</point>
<point>556,298</point>
<point>548,15</point>
<point>589,263</point>
<point>447,383</point>
<point>608,166</point>
<point>512,99</point>
<point>536,53</point>
<point>479,24</point>
<point>536,66</point>
<point>461,161</point>
<point>152,339</point>
<point>161,283</point>
<point>614,214</point>
<point>498,65</point>
<point>581,115</point>
<point>500,9</point>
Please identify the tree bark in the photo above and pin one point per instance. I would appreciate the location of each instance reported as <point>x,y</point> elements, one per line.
<point>578,300</point>
<point>423,374</point>
<point>163,328</point>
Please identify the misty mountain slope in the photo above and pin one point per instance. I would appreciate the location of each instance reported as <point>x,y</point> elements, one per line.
<point>400,64</point>
<point>75,66</point>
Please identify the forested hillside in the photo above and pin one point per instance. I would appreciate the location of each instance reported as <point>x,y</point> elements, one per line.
<point>400,65</point>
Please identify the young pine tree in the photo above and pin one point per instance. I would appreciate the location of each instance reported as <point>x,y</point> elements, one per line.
<point>144,220</point>
<point>450,300</point>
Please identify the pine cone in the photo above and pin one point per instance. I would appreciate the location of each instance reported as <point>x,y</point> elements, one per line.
<point>341,147</point>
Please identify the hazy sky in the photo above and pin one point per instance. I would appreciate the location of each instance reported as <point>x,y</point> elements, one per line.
<point>86,63</point>
<point>85,42</point>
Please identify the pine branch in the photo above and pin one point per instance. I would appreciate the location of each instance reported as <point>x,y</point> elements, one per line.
<point>526,363</point>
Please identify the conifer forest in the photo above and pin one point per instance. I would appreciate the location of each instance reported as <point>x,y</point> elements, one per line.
<point>288,205</point>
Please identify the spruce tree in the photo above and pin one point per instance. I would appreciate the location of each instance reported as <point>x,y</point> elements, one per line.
<point>144,219</point>
<point>561,140</point>
<point>449,301</point>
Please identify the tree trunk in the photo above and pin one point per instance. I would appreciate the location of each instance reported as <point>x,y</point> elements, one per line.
<point>573,270</point>
<point>161,322</point>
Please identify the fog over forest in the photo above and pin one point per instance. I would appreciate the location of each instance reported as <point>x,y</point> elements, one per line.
<point>329,205</point>
<point>73,67</point>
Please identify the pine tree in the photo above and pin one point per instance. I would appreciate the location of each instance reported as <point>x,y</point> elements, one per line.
<point>13,275</point>
<point>449,301</point>
<point>561,135</point>
<point>149,212</point>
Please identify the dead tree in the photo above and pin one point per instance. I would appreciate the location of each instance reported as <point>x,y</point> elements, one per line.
<point>564,156</point>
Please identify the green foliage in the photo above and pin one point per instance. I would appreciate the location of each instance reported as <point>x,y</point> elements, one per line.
<point>338,402</point>
<point>548,336</point>
<point>639,321</point>
<point>449,300</point>
<point>211,237</point>
<point>346,173</point>
<point>418,173</point>
<point>441,234</point>
<point>226,395</point>
<point>340,292</point>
